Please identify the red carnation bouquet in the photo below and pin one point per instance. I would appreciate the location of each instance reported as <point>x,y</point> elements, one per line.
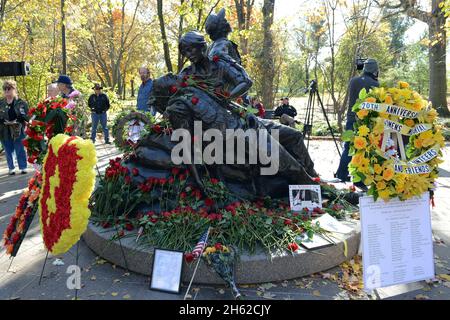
<point>49,118</point>
<point>22,218</point>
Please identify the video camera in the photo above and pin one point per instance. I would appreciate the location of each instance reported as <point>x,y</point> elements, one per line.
<point>360,63</point>
<point>312,87</point>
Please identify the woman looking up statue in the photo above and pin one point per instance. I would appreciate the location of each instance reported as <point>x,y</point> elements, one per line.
<point>218,28</point>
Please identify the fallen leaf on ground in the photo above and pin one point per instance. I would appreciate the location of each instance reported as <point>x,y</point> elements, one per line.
<point>117,280</point>
<point>114,294</point>
<point>444,276</point>
<point>126,297</point>
<point>268,295</point>
<point>422,297</point>
<point>93,278</point>
<point>126,274</point>
<point>188,296</point>
<point>221,291</point>
<point>316,293</point>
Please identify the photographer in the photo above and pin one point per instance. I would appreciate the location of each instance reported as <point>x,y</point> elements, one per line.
<point>368,80</point>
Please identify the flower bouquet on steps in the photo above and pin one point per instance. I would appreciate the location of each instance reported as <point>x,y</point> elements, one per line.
<point>222,259</point>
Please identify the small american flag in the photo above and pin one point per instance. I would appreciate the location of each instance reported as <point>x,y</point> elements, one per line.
<point>198,250</point>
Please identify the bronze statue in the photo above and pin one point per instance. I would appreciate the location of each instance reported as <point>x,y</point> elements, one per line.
<point>218,28</point>
<point>216,111</point>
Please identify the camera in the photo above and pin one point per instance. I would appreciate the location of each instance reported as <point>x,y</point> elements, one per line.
<point>360,63</point>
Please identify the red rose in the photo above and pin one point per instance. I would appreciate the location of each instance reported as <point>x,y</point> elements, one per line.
<point>209,202</point>
<point>195,100</point>
<point>293,246</point>
<point>214,181</point>
<point>183,195</point>
<point>183,84</point>
<point>317,179</point>
<point>25,143</point>
<point>135,171</point>
<point>129,227</point>
<point>287,222</point>
<point>106,225</point>
<point>218,246</point>
<point>182,177</point>
<point>171,180</point>
<point>162,181</point>
<point>175,171</point>
<point>216,58</point>
<point>173,89</point>
<point>157,128</point>
<point>15,237</point>
<point>189,257</point>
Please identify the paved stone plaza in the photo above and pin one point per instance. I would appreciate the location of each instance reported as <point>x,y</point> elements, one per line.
<point>101,280</point>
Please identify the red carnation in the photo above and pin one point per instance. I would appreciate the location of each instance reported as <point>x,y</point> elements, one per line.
<point>157,128</point>
<point>316,179</point>
<point>127,180</point>
<point>218,246</point>
<point>287,222</point>
<point>106,225</point>
<point>214,181</point>
<point>293,246</point>
<point>173,89</point>
<point>171,180</point>
<point>15,237</point>
<point>195,100</point>
<point>182,177</point>
<point>189,257</point>
<point>209,202</point>
<point>216,58</point>
<point>129,227</point>
<point>175,171</point>
<point>162,181</point>
<point>183,84</point>
<point>183,195</point>
<point>135,171</point>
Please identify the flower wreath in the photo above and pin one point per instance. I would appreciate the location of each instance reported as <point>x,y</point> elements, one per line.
<point>21,220</point>
<point>68,179</point>
<point>49,118</point>
<point>383,164</point>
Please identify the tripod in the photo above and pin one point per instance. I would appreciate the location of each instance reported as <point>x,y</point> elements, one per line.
<point>309,118</point>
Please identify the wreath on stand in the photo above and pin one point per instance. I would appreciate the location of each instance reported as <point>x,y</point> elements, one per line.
<point>396,143</point>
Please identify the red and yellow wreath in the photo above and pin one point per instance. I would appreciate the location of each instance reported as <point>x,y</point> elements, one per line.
<point>68,179</point>
<point>21,220</point>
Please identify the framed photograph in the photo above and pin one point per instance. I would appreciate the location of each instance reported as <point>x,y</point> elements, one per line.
<point>167,270</point>
<point>305,196</point>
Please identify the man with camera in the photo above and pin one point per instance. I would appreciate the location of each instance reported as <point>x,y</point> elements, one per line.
<point>368,80</point>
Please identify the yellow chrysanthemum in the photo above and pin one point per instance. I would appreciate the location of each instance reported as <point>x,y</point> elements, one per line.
<point>377,168</point>
<point>363,131</point>
<point>403,84</point>
<point>388,100</point>
<point>388,174</point>
<point>360,143</point>
<point>362,113</point>
<point>409,122</point>
<point>381,185</point>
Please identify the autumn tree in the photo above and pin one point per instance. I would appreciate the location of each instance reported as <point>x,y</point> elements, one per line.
<point>436,20</point>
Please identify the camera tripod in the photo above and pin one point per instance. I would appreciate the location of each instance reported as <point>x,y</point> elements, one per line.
<point>309,117</point>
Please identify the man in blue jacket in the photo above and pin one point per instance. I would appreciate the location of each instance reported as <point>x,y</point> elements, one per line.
<point>144,91</point>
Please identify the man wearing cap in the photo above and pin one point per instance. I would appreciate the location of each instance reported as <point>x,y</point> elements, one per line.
<point>286,112</point>
<point>99,103</point>
<point>368,80</point>
<point>77,105</point>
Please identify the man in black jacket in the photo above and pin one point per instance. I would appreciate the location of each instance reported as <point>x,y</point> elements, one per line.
<point>368,80</point>
<point>286,112</point>
<point>99,104</point>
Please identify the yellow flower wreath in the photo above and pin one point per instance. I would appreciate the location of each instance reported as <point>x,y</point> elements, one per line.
<point>383,113</point>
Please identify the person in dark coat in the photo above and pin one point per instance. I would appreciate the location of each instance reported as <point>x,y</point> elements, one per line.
<point>13,117</point>
<point>368,80</point>
<point>99,104</point>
